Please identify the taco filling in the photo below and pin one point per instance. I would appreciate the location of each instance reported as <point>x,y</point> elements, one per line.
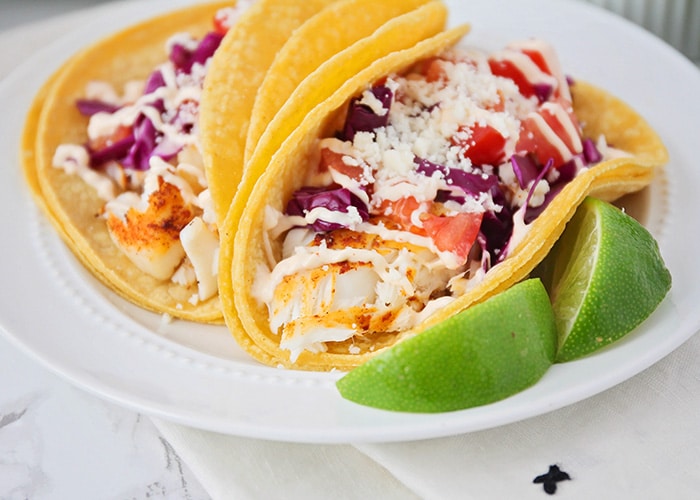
<point>142,158</point>
<point>433,179</point>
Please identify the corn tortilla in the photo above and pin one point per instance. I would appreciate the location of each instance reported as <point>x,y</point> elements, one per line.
<point>312,44</point>
<point>235,73</point>
<point>241,249</point>
<point>70,204</point>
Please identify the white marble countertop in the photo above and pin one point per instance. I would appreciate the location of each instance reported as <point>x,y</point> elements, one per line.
<point>57,441</point>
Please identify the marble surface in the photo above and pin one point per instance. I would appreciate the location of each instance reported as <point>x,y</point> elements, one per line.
<point>56,440</point>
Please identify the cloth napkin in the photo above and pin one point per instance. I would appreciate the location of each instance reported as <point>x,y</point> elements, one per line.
<point>639,440</point>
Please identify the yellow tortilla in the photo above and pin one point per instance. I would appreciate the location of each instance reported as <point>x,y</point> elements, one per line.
<point>314,43</point>
<point>244,249</point>
<point>235,73</point>
<point>421,23</point>
<point>241,249</point>
<point>401,32</point>
<point>71,205</point>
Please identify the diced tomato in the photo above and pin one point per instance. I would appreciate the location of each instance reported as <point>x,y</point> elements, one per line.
<point>331,159</point>
<point>544,57</point>
<point>563,122</point>
<point>538,58</point>
<point>221,22</point>
<point>429,66</point>
<point>545,136</point>
<point>484,146</point>
<point>453,233</point>
<point>534,140</point>
<point>499,106</point>
<point>401,212</point>
<point>450,233</point>
<point>435,70</point>
<point>507,69</point>
<point>121,132</point>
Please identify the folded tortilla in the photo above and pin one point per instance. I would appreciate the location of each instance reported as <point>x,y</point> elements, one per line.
<point>245,246</point>
<point>316,78</point>
<point>70,204</point>
<point>238,145</point>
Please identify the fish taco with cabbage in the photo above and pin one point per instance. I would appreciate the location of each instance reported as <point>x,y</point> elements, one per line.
<point>132,178</point>
<point>436,177</point>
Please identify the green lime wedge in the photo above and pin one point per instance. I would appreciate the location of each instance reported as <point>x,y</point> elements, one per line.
<point>483,354</point>
<point>607,276</point>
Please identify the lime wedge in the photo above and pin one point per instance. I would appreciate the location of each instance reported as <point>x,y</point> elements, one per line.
<point>483,354</point>
<point>607,276</point>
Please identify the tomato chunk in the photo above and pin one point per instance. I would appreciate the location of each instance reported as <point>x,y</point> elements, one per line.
<point>450,233</point>
<point>508,69</point>
<point>484,146</point>
<point>401,213</point>
<point>534,139</point>
<point>118,134</point>
<point>331,159</point>
<point>221,22</point>
<point>454,233</point>
<point>550,134</point>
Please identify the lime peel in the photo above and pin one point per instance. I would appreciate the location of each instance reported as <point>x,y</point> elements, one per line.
<point>607,277</point>
<point>484,354</point>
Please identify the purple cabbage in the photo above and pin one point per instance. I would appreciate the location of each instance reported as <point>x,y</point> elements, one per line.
<point>114,152</point>
<point>145,136</point>
<point>147,143</point>
<point>89,107</point>
<point>590,152</point>
<point>154,82</point>
<point>567,172</point>
<point>361,118</point>
<point>136,150</point>
<point>183,59</point>
<point>471,183</point>
<point>525,167</point>
<point>337,199</point>
<point>496,228</point>
<point>543,91</point>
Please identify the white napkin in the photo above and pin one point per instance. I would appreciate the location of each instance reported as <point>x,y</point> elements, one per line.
<point>640,439</point>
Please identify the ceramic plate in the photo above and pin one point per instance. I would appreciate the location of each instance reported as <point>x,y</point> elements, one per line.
<point>196,375</point>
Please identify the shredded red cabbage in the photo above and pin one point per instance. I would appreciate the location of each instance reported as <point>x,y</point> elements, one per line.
<point>89,107</point>
<point>361,118</point>
<point>526,168</point>
<point>147,143</point>
<point>144,142</point>
<point>497,228</point>
<point>471,183</point>
<point>113,152</point>
<point>590,152</point>
<point>184,59</point>
<point>154,82</point>
<point>543,91</point>
<point>334,199</point>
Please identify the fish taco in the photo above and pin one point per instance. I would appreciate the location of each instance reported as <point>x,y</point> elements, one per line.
<point>133,176</point>
<point>434,178</point>
<point>111,152</point>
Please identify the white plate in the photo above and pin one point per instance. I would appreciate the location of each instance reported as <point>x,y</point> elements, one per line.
<point>196,375</point>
